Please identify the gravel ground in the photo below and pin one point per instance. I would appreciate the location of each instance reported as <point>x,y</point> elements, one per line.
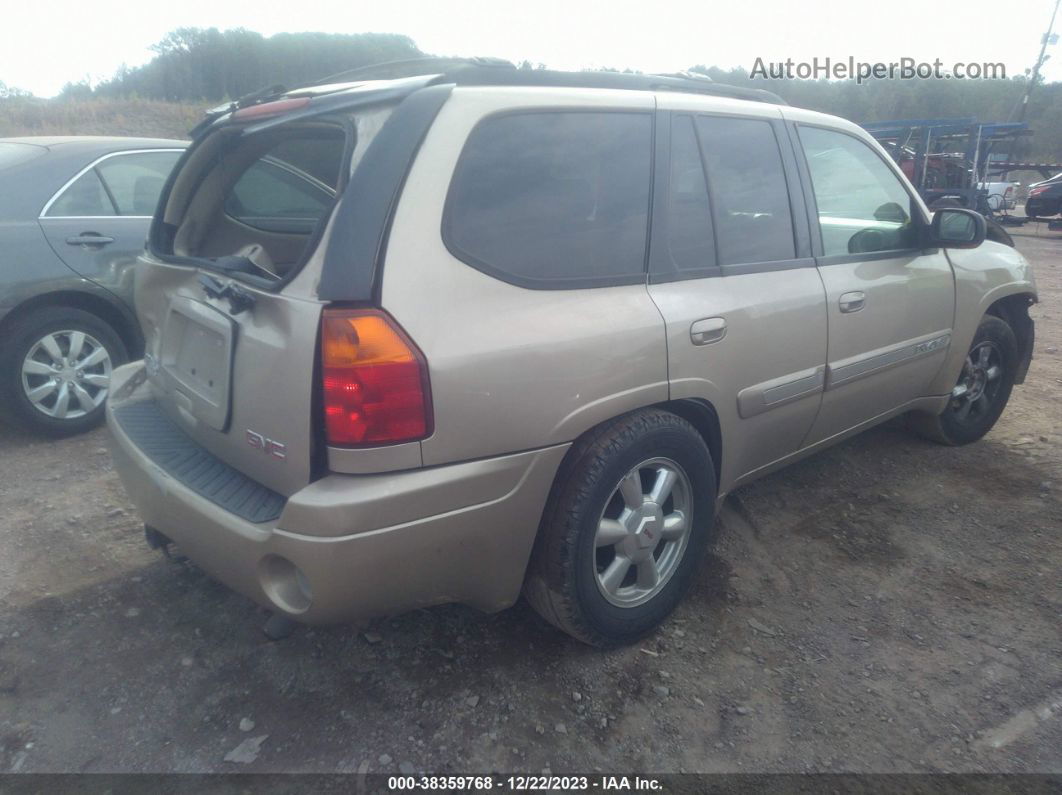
<point>888,605</point>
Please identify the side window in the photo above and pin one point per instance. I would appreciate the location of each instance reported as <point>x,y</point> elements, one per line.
<point>548,198</point>
<point>135,180</point>
<point>863,207</point>
<point>290,188</point>
<point>689,222</point>
<point>749,195</point>
<point>84,197</point>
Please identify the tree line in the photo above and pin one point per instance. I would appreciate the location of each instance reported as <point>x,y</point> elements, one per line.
<point>210,65</point>
<point>196,65</point>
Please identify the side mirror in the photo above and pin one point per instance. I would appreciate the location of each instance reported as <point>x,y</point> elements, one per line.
<point>955,227</point>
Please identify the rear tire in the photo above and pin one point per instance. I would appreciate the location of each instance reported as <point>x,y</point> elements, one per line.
<point>624,530</point>
<point>983,390</point>
<point>55,371</point>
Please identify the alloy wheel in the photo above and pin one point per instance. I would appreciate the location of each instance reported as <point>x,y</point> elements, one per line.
<point>66,374</point>
<point>643,532</point>
<point>979,383</point>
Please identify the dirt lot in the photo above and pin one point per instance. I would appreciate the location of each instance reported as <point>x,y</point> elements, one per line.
<point>889,605</point>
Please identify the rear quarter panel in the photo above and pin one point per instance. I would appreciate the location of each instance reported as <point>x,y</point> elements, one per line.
<point>512,368</point>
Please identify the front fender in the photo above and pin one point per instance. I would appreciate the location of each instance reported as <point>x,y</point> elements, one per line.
<point>983,276</point>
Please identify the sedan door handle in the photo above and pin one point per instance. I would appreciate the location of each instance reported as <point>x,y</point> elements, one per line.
<point>709,330</point>
<point>853,302</point>
<point>89,239</point>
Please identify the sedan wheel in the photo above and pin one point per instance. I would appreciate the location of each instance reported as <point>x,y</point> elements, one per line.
<point>66,374</point>
<point>55,369</point>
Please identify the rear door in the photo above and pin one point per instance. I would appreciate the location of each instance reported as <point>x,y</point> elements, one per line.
<point>97,223</point>
<point>735,282</point>
<point>889,303</point>
<point>232,358</point>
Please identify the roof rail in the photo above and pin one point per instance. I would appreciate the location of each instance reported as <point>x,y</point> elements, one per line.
<point>410,67</point>
<point>499,72</point>
<point>479,75</point>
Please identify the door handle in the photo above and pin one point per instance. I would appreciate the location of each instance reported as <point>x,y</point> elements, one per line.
<point>709,330</point>
<point>89,239</point>
<point>853,302</point>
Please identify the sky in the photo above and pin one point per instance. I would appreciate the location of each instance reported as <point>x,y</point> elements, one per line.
<point>46,46</point>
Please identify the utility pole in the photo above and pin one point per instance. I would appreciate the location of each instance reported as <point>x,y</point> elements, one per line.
<point>1036,67</point>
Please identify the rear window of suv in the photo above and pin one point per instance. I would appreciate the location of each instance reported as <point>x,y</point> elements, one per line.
<point>554,199</point>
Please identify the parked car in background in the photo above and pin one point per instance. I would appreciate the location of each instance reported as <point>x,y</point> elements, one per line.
<point>548,322</point>
<point>1045,198</point>
<point>1000,196</point>
<point>74,213</point>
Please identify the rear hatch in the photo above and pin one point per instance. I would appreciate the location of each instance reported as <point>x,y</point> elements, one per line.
<point>226,293</point>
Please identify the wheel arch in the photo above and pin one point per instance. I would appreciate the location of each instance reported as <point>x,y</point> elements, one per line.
<point>702,415</point>
<point>109,311</point>
<point>1014,311</point>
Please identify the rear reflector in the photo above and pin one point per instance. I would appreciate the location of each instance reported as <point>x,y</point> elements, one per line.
<point>375,380</point>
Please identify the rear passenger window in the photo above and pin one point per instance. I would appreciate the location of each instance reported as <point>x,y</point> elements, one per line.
<point>85,197</point>
<point>750,199</point>
<point>135,180</point>
<point>554,198</point>
<point>689,229</point>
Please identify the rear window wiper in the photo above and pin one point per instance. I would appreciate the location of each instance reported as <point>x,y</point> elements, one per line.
<point>239,299</point>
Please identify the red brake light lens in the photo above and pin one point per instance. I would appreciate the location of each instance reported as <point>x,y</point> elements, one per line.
<point>270,108</point>
<point>1037,191</point>
<point>376,387</point>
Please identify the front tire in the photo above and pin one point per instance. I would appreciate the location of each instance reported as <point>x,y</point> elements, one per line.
<point>624,530</point>
<point>983,390</point>
<point>55,373</point>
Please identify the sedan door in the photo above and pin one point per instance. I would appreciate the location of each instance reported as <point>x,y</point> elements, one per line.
<point>890,304</point>
<point>97,222</point>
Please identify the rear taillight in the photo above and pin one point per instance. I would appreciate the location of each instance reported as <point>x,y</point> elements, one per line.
<point>375,380</point>
<point>1036,191</point>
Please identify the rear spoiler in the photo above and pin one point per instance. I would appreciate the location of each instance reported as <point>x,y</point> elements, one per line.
<point>340,98</point>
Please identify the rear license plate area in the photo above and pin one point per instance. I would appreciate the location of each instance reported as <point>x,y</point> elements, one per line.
<point>195,360</point>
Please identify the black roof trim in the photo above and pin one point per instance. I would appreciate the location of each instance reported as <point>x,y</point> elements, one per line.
<point>475,74</point>
<point>362,218</point>
<point>498,72</point>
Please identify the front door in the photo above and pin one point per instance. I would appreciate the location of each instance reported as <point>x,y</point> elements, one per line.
<point>889,303</point>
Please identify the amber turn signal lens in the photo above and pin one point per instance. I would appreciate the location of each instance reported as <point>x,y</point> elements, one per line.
<point>375,380</point>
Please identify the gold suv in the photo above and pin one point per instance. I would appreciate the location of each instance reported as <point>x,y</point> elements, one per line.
<point>457,336</point>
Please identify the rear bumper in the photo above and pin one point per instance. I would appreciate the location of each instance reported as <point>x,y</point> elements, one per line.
<point>1042,208</point>
<point>354,547</point>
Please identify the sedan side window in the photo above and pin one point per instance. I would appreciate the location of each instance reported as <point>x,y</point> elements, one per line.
<point>863,207</point>
<point>291,187</point>
<point>268,190</point>
<point>85,197</point>
<point>135,180</point>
